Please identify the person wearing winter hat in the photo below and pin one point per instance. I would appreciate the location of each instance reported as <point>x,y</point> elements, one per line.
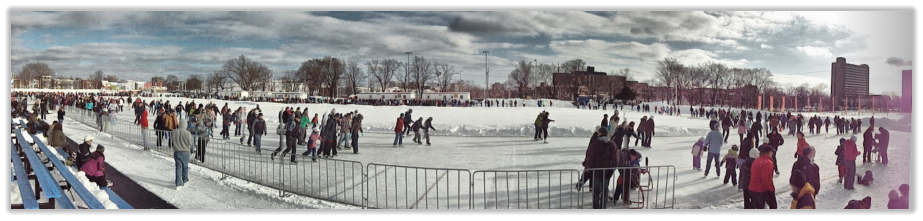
<point>851,151</point>
<point>83,151</point>
<point>895,201</point>
<point>802,191</point>
<point>731,160</point>
<point>762,189</point>
<point>697,149</point>
<point>94,168</point>
<point>840,160</point>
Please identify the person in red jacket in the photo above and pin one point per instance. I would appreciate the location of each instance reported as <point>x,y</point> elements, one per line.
<point>851,151</point>
<point>801,145</point>
<point>399,131</point>
<point>761,188</point>
<point>144,129</point>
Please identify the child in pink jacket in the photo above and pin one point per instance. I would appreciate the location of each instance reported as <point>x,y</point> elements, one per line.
<point>313,141</point>
<point>697,154</point>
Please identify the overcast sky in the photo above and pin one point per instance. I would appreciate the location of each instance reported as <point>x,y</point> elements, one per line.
<point>797,47</point>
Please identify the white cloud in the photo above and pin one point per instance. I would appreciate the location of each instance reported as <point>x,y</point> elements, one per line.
<point>815,51</point>
<point>634,39</point>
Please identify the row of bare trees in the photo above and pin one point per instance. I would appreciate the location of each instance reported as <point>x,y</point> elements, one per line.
<point>692,80</point>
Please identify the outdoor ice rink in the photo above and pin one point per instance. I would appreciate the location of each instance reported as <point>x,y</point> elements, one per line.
<point>474,148</point>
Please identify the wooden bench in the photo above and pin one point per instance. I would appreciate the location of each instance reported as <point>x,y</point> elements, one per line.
<point>25,186</point>
<point>115,198</point>
<point>47,184</point>
<point>72,180</point>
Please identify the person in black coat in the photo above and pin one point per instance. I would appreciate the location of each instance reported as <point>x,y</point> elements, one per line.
<point>810,170</point>
<point>83,151</point>
<point>600,154</point>
<point>882,145</point>
<point>775,140</point>
<point>605,122</point>
<point>867,143</point>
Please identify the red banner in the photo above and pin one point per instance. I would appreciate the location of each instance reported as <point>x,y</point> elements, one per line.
<point>771,99</point>
<point>759,105</point>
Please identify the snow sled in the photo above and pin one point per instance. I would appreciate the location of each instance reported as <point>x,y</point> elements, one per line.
<point>643,189</point>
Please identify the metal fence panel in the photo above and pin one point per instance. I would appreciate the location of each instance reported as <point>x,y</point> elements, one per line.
<point>405,187</point>
<point>525,189</point>
<point>645,187</point>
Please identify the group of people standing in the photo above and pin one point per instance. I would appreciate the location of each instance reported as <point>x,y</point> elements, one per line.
<point>757,160</point>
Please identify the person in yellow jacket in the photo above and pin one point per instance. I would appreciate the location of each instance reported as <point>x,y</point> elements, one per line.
<point>802,192</point>
<point>730,160</point>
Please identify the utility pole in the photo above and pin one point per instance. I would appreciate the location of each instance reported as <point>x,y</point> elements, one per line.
<point>486,74</point>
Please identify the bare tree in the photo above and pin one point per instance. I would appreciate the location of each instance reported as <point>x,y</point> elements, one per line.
<point>574,65</point>
<point>216,81</point>
<point>353,76</point>
<point>246,73</point>
<point>717,75</point>
<point>290,81</point>
<point>385,70</point>
<point>310,74</point>
<point>97,78</point>
<point>668,72</point>
<point>520,78</point>
<point>404,79</point>
<point>171,82</point>
<point>332,70</point>
<point>194,82</point>
<point>33,71</point>
<point>422,73</point>
<point>373,68</point>
<point>444,75</point>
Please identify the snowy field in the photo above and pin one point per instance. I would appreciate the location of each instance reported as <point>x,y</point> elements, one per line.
<point>478,138</point>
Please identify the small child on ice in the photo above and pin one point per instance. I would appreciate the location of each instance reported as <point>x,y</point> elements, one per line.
<point>697,154</point>
<point>865,180</point>
<point>313,141</point>
<point>731,160</point>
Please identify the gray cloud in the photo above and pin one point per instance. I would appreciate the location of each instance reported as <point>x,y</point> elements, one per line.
<point>899,62</point>
<point>283,39</point>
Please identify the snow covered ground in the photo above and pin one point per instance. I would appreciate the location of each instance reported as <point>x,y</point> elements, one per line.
<point>489,121</point>
<point>476,138</point>
<point>207,189</point>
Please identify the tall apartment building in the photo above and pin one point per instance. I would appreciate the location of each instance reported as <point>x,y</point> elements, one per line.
<point>848,81</point>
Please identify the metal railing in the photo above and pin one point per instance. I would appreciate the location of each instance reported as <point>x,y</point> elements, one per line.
<point>635,187</point>
<point>407,187</point>
<point>385,186</point>
<point>526,189</point>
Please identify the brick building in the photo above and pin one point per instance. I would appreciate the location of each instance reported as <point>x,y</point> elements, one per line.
<point>848,82</point>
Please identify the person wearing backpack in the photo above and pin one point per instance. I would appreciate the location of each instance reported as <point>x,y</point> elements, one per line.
<point>313,141</point>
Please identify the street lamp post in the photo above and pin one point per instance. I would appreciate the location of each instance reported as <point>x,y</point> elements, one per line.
<point>486,74</point>
<point>408,63</point>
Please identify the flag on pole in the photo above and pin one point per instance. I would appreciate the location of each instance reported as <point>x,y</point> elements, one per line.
<point>759,104</point>
<point>771,98</point>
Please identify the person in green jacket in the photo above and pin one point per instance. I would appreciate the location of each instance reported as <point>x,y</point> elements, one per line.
<point>538,125</point>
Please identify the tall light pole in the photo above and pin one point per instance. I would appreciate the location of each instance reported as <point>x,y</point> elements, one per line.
<point>532,73</point>
<point>486,75</point>
<point>408,65</point>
